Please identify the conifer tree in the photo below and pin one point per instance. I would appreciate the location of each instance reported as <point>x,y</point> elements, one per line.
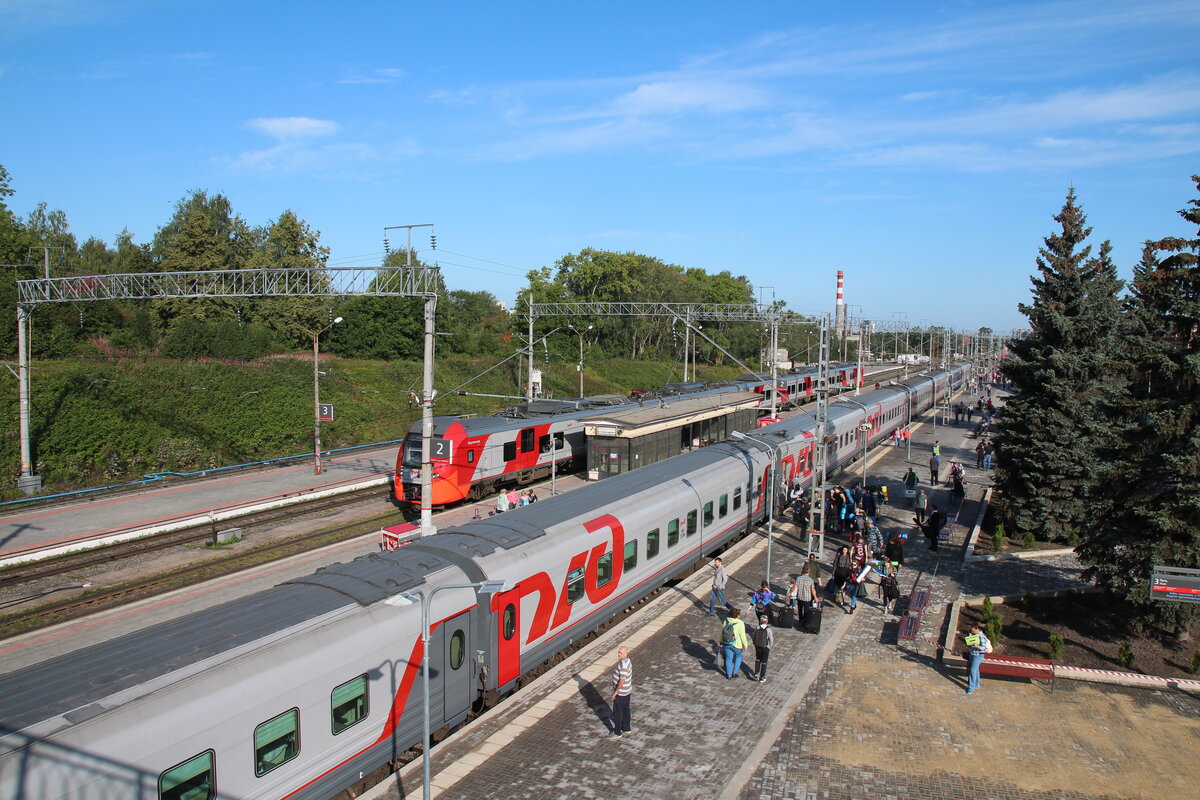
<point>1047,447</point>
<point>1155,513</point>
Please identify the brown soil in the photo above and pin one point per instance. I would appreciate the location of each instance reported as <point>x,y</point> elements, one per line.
<point>1093,627</point>
<point>984,544</point>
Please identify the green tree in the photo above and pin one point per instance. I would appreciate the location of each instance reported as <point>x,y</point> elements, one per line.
<point>289,243</point>
<point>1154,516</point>
<point>15,241</point>
<point>1049,445</point>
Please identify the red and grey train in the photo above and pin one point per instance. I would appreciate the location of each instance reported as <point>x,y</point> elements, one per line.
<point>475,456</point>
<point>300,690</point>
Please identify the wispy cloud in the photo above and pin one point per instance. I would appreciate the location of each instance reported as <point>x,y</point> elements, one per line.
<point>293,127</point>
<point>370,76</point>
<point>299,147</point>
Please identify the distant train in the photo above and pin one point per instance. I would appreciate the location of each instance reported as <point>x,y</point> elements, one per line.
<point>474,457</point>
<point>300,690</point>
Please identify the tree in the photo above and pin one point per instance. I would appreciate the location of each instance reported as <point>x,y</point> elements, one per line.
<point>289,243</point>
<point>1048,448</point>
<point>1154,517</point>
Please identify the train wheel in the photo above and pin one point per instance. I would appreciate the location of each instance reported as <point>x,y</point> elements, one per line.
<point>478,492</point>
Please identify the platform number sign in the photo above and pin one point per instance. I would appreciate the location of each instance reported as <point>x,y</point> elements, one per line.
<point>441,448</point>
<point>325,412</point>
<point>1180,584</point>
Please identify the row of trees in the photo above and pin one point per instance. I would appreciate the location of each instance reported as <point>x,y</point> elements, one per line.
<point>1101,445</point>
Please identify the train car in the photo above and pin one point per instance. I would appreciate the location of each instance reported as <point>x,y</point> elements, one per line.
<point>300,690</point>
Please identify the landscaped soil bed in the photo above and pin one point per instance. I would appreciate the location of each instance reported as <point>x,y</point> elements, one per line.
<point>1093,628</point>
<point>1012,544</point>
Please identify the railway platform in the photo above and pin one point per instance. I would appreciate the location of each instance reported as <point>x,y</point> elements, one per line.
<point>849,713</point>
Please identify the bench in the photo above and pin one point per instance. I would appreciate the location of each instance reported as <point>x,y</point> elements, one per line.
<point>1018,667</point>
<point>909,627</point>
<point>919,599</point>
<point>911,623</point>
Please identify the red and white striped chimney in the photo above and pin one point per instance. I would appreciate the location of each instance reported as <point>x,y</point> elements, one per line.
<point>839,315</point>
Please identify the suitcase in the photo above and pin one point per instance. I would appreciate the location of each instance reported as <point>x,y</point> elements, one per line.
<point>812,618</point>
<point>787,618</point>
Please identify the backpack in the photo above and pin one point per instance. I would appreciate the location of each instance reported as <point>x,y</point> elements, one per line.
<point>728,633</point>
<point>760,637</point>
<point>987,646</point>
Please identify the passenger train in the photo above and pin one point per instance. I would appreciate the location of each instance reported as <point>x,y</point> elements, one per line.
<point>302,689</point>
<point>473,457</point>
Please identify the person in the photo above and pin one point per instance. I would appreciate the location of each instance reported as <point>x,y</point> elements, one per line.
<point>813,568</point>
<point>806,587</point>
<point>843,566</point>
<point>896,438</point>
<point>933,527</point>
<point>720,580</point>
<point>793,593</point>
<point>502,502</point>
<point>622,689</point>
<point>922,505</point>
<point>514,499</point>
<point>858,551</point>
<point>959,490</point>
<point>868,506</point>
<point>979,455</point>
<point>937,448</point>
<point>762,600</point>
<point>977,646</point>
<point>935,463</point>
<point>733,642</point>
<point>894,551</point>
<point>907,433</point>
<point>970,412</point>
<point>988,451</point>
<point>764,640</point>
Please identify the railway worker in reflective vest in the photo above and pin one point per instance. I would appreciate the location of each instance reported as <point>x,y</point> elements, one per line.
<point>622,689</point>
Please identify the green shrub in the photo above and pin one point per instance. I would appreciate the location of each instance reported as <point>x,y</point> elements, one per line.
<point>1029,602</point>
<point>1028,540</point>
<point>1072,539</point>
<point>993,628</point>
<point>989,609</point>
<point>998,539</point>
<point>1195,668</point>
<point>1125,655</point>
<point>1056,646</point>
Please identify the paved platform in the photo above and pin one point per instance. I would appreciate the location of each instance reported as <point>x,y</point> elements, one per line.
<point>845,714</point>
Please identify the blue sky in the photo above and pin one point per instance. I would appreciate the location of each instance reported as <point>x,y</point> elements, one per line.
<point>921,147</point>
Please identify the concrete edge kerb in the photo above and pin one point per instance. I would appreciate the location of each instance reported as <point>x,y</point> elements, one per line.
<point>1133,680</point>
<point>969,556</point>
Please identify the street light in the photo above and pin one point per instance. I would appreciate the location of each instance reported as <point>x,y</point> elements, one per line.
<point>771,490</point>
<point>579,366</point>
<point>488,587</point>
<point>317,396</point>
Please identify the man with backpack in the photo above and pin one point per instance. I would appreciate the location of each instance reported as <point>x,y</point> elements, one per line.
<point>733,643</point>
<point>764,639</point>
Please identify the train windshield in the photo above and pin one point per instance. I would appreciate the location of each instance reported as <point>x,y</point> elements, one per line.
<point>412,450</point>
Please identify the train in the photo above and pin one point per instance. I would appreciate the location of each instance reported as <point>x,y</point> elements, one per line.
<point>473,457</point>
<point>300,690</point>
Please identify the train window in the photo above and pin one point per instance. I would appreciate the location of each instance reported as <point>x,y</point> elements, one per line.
<point>527,440</point>
<point>276,742</point>
<point>723,506</point>
<point>544,444</point>
<point>691,519</point>
<point>574,585</point>
<point>458,648</point>
<point>672,533</point>
<point>349,704</point>
<point>191,780</point>
<point>652,539</point>
<point>510,451</point>
<point>560,441</point>
<point>630,555</point>
<point>708,513</point>
<point>510,621</point>
<point>470,456</point>
<point>604,568</point>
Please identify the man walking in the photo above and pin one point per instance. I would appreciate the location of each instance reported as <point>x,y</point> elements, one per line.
<point>622,689</point>
<point>764,639</point>
<point>733,643</point>
<point>720,579</point>
<point>977,646</point>
<point>935,464</point>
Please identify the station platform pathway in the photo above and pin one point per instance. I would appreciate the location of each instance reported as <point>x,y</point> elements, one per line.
<point>847,713</point>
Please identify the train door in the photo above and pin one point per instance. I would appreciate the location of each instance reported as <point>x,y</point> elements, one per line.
<point>455,649</point>
<point>506,608</point>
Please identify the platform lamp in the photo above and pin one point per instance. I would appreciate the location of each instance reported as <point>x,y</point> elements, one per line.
<point>316,335</point>
<point>482,589</point>
<point>772,488</point>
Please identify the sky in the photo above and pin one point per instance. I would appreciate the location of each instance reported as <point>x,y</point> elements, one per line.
<point>921,147</point>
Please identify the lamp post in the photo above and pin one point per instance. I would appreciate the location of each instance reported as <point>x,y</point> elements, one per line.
<point>579,366</point>
<point>317,396</point>
<point>488,587</point>
<point>771,490</point>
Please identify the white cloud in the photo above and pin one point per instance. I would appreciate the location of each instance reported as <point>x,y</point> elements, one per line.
<point>378,75</point>
<point>293,127</point>
<point>678,96</point>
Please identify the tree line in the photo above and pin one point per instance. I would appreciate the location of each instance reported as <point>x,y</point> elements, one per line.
<point>1100,447</point>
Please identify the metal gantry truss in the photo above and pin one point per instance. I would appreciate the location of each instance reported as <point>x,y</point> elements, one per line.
<point>337,282</point>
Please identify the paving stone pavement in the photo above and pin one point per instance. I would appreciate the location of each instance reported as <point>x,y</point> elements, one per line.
<point>845,714</point>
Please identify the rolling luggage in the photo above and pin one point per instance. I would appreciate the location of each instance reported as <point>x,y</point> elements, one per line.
<point>812,618</point>
<point>787,618</point>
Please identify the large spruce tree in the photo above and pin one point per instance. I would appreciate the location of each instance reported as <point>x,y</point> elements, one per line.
<point>1154,517</point>
<point>1049,442</point>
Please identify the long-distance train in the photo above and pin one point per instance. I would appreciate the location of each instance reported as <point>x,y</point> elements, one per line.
<point>475,456</point>
<point>300,690</point>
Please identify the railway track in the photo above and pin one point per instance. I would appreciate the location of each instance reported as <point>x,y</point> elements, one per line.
<point>52,613</point>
